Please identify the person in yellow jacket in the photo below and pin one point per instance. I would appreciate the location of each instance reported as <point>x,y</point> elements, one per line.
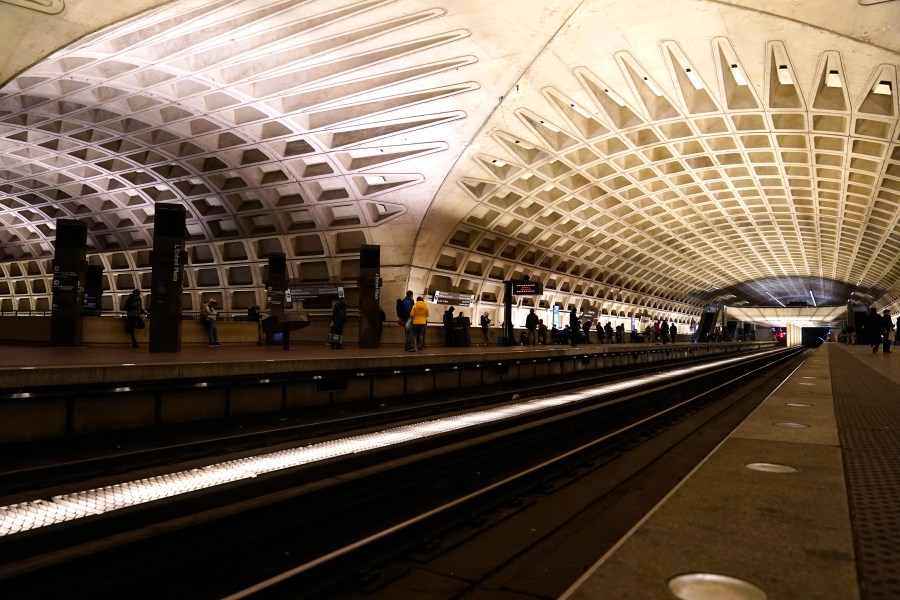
<point>419,316</point>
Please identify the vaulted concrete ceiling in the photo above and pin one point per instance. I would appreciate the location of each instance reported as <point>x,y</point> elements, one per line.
<point>634,155</point>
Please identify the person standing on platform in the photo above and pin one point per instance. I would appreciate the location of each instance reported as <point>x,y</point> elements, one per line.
<point>586,329</point>
<point>448,327</point>
<point>208,315</point>
<point>486,329</point>
<point>419,317</point>
<point>673,331</point>
<point>338,319</point>
<point>599,329</point>
<point>664,332</point>
<point>648,333</point>
<point>405,308</point>
<point>887,325</point>
<point>873,329</point>
<point>609,333</point>
<point>134,310</point>
<point>574,326</point>
<point>542,333</point>
<point>531,323</point>
<point>254,316</point>
<point>897,333</point>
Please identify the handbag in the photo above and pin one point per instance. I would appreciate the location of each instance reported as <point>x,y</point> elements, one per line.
<point>408,324</point>
<point>139,323</point>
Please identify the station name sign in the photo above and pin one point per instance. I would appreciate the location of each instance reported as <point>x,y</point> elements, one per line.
<point>296,294</point>
<point>527,288</point>
<point>440,297</point>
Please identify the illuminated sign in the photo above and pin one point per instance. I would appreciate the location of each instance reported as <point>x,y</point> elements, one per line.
<point>527,288</point>
<point>440,297</point>
<point>307,293</point>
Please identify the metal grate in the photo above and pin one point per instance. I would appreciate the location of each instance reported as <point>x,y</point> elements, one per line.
<point>867,406</point>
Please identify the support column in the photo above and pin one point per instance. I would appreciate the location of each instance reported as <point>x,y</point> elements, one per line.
<point>369,296</point>
<point>276,283</point>
<point>69,268</point>
<point>167,261</point>
<point>509,336</point>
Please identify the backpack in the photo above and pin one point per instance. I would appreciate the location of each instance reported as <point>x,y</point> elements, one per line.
<point>400,310</point>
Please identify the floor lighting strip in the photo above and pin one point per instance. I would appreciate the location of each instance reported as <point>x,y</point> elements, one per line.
<point>33,514</point>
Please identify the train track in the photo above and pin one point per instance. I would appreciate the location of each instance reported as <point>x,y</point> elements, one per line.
<point>309,530</point>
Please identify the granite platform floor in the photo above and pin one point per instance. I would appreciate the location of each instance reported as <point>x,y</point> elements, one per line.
<point>799,502</point>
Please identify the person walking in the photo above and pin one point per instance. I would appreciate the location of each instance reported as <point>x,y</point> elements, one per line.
<point>873,329</point>
<point>531,323</point>
<point>338,319</point>
<point>208,316</point>
<point>486,329</point>
<point>134,310</point>
<point>419,317</point>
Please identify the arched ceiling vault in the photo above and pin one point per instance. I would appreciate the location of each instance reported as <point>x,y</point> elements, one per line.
<point>632,155</point>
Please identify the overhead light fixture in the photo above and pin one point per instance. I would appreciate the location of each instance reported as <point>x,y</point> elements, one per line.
<point>813,298</point>
<point>498,162</point>
<point>695,80</point>
<point>374,179</point>
<point>581,111</point>
<point>784,76</point>
<point>381,208</point>
<point>776,299</point>
<point>615,97</point>
<point>738,75</point>
<point>833,78</point>
<point>653,87</point>
<point>883,88</point>
<point>550,126</point>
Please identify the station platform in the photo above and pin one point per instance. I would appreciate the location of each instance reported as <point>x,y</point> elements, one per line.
<point>800,501</point>
<point>61,394</point>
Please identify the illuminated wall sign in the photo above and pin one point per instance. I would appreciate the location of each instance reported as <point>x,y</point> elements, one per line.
<point>440,297</point>
<point>307,293</point>
<point>526,288</point>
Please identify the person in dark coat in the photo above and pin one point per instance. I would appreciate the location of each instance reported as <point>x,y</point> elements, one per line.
<point>338,319</point>
<point>664,332</point>
<point>531,323</point>
<point>886,326</point>
<point>574,326</point>
<point>586,328</point>
<point>599,332</point>
<point>673,331</point>
<point>134,310</point>
<point>405,307</point>
<point>448,327</point>
<point>609,332</point>
<point>873,329</point>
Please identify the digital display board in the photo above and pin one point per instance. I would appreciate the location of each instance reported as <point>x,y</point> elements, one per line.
<point>525,288</point>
